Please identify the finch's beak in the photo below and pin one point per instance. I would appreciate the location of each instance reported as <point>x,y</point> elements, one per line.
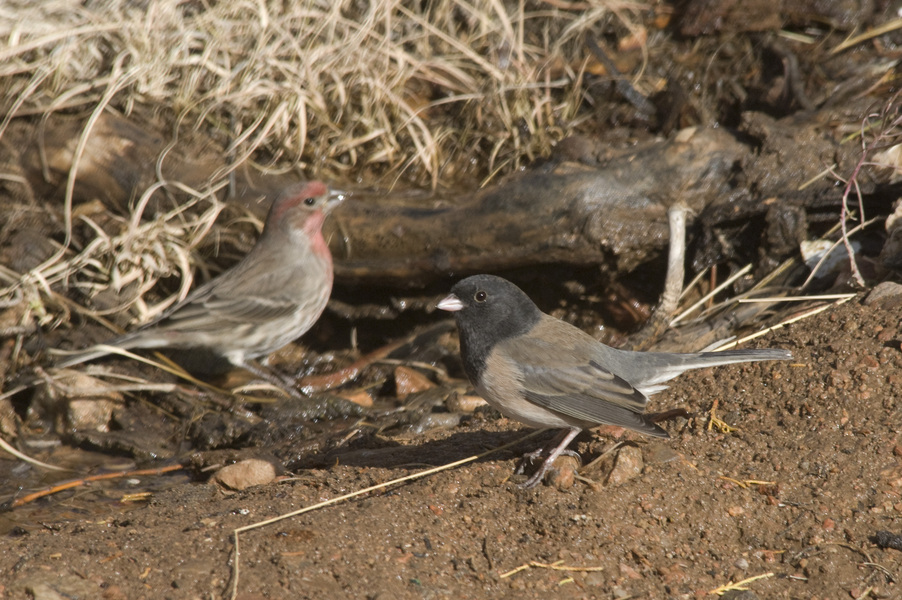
<point>336,197</point>
<point>451,303</point>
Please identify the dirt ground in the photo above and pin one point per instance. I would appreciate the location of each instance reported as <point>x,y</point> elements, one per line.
<point>792,496</point>
<point>787,499</point>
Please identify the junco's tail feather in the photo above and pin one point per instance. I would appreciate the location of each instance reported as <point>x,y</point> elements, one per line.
<point>654,368</point>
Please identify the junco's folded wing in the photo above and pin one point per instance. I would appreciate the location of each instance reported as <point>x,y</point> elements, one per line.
<point>569,382</point>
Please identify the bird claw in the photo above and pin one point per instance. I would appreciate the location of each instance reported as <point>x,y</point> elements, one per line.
<point>527,458</point>
<point>557,447</point>
<point>546,466</point>
<point>536,478</point>
<point>278,380</point>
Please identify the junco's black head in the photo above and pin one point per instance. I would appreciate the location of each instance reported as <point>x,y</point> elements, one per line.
<point>488,310</point>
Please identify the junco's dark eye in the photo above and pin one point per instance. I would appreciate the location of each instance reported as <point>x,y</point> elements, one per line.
<point>480,296</point>
<point>309,201</point>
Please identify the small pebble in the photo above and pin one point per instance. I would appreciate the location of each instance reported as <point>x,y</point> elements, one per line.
<point>628,466</point>
<point>410,381</point>
<point>886,295</point>
<point>562,476</point>
<point>245,473</point>
<point>464,403</point>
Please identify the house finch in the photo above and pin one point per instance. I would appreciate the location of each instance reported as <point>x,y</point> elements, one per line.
<point>547,373</point>
<point>271,297</point>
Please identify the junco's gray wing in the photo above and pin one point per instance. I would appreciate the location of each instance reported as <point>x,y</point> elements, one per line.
<point>564,377</point>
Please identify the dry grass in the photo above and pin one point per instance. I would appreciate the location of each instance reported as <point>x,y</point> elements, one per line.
<point>142,253</point>
<point>419,90</point>
<point>128,263</point>
<point>347,90</point>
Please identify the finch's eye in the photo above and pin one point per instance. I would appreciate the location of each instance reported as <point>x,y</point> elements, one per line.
<point>309,201</point>
<point>480,296</point>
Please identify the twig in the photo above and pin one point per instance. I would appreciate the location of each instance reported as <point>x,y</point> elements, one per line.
<point>623,85</point>
<point>739,585</point>
<point>319,383</point>
<point>59,487</point>
<point>888,130</point>
<point>555,566</point>
<point>676,258</point>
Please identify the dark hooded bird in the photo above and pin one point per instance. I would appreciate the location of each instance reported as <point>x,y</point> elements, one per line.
<point>547,373</point>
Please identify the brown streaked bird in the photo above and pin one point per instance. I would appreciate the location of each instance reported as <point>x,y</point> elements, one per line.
<point>549,374</point>
<point>268,299</point>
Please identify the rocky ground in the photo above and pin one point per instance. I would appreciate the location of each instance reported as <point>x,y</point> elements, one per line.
<point>793,497</point>
<point>784,478</point>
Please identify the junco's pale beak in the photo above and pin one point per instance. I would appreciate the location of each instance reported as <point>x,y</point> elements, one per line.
<point>451,303</point>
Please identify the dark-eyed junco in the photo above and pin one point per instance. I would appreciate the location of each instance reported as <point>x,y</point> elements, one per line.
<point>547,373</point>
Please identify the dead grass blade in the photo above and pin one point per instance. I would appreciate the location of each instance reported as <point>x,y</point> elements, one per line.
<point>739,585</point>
<point>555,566</point>
<point>711,294</point>
<point>867,35</point>
<point>795,319</point>
<point>25,458</point>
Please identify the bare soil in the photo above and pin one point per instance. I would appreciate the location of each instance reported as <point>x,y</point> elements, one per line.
<point>788,501</point>
<point>795,493</point>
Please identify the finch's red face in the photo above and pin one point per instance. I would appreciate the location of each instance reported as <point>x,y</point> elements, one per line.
<point>305,197</point>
